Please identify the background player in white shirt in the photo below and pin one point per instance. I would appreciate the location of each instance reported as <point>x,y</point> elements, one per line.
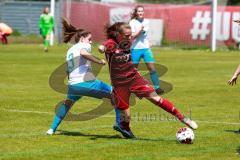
<point>141,47</point>
<point>81,80</point>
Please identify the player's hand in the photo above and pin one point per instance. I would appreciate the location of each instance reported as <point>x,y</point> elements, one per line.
<point>233,80</point>
<point>141,29</point>
<point>103,62</point>
<point>101,48</point>
<point>237,21</point>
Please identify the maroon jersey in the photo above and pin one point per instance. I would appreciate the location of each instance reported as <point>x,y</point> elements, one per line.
<point>121,68</point>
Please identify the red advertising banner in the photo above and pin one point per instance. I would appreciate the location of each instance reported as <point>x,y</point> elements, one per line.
<point>183,24</point>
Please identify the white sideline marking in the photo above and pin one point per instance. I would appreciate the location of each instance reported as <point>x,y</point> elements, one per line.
<point>25,111</point>
<point>233,123</point>
<point>108,116</point>
<point>16,135</point>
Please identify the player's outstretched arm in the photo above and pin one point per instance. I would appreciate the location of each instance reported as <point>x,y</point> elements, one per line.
<point>237,21</point>
<point>233,80</point>
<point>92,58</point>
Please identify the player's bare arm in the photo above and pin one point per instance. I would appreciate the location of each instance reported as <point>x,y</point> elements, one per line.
<point>237,21</point>
<point>233,80</point>
<point>92,58</point>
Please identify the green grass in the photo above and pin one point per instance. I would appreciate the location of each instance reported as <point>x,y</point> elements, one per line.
<point>200,84</point>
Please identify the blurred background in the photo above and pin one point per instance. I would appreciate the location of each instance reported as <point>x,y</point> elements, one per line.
<point>174,23</point>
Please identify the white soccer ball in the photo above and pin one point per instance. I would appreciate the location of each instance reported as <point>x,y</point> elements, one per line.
<point>185,135</point>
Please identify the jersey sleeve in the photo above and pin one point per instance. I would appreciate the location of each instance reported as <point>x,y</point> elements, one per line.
<point>110,46</point>
<point>86,47</point>
<point>40,24</point>
<point>133,28</point>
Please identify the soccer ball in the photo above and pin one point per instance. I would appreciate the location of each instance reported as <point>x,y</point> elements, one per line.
<point>185,135</point>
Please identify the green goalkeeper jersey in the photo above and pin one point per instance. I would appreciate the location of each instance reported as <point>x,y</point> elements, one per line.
<point>46,23</point>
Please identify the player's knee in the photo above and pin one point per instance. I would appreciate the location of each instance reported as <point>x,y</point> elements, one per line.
<point>136,65</point>
<point>68,103</point>
<point>152,69</point>
<point>47,37</point>
<point>155,98</point>
<point>122,108</point>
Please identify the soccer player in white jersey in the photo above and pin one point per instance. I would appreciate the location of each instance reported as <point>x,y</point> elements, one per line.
<point>81,80</point>
<point>141,47</point>
<point>234,78</point>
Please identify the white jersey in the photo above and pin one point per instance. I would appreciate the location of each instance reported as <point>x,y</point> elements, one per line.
<point>78,67</point>
<point>141,41</point>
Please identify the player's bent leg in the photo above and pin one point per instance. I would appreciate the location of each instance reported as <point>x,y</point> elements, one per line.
<point>136,55</point>
<point>46,42</point>
<point>61,112</point>
<point>96,89</point>
<point>121,99</point>
<point>154,78</point>
<point>170,108</point>
<point>150,62</point>
<point>124,128</point>
<point>135,65</point>
<point>103,90</point>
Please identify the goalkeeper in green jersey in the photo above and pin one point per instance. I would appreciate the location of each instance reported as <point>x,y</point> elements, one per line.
<point>46,26</point>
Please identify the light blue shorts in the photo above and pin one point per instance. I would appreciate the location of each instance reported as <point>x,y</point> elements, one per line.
<point>95,88</point>
<point>146,54</point>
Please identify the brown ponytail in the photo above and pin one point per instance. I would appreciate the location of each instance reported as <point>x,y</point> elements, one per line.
<point>69,31</point>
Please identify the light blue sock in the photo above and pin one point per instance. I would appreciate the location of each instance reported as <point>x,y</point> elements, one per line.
<point>117,116</point>
<point>155,80</point>
<point>60,114</point>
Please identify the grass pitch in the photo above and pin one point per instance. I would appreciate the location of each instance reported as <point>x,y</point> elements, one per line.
<point>200,85</point>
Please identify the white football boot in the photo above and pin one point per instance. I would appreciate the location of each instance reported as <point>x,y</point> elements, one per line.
<point>190,123</point>
<point>50,132</point>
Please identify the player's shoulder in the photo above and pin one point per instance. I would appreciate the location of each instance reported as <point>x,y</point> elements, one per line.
<point>110,45</point>
<point>146,21</point>
<point>42,15</point>
<point>85,46</point>
<point>109,42</point>
<point>132,21</point>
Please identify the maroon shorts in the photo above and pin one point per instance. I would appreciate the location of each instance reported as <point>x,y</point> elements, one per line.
<point>139,86</point>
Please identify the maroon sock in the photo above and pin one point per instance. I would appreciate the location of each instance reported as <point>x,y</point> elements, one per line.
<point>169,107</point>
<point>125,125</point>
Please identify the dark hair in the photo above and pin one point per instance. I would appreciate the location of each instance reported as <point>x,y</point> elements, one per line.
<point>69,31</point>
<point>134,13</point>
<point>113,31</point>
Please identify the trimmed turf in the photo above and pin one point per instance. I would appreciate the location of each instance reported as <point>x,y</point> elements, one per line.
<point>199,79</point>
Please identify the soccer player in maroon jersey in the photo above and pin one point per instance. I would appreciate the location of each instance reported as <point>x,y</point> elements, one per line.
<point>126,79</point>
